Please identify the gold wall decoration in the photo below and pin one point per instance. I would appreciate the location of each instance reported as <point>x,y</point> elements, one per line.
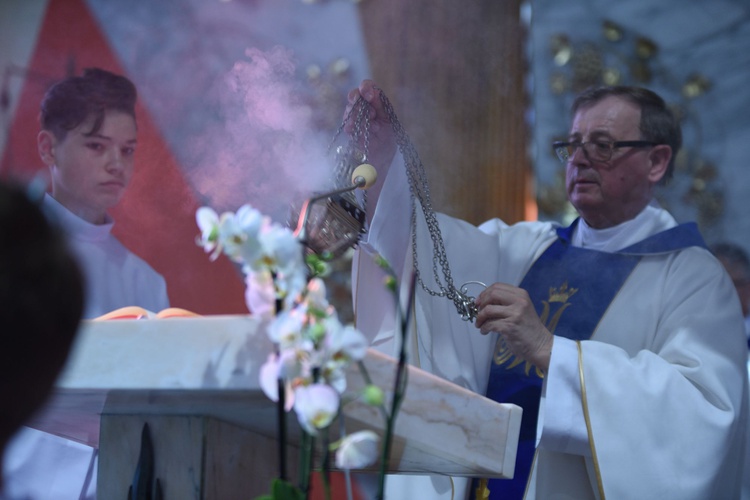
<point>329,85</point>
<point>623,57</point>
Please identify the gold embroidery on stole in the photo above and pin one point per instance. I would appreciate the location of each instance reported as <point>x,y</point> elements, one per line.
<point>553,309</point>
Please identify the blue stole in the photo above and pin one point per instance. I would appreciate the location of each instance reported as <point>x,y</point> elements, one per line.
<point>571,289</point>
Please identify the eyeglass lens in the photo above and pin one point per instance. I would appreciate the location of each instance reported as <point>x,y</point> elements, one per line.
<point>599,151</point>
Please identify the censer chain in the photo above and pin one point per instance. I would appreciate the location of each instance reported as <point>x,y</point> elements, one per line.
<point>420,191</point>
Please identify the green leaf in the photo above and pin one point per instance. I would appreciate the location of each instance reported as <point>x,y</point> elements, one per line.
<point>283,490</point>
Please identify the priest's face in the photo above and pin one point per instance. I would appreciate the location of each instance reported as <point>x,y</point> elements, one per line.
<point>607,193</point>
<point>90,172</point>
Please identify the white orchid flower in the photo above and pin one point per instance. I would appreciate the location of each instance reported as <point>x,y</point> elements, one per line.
<point>269,381</point>
<point>286,328</point>
<point>357,450</point>
<point>290,286</point>
<point>313,348</point>
<point>260,294</point>
<point>239,234</point>
<point>292,364</point>
<point>344,344</point>
<point>208,222</point>
<point>283,253</point>
<point>335,376</point>
<point>280,248</point>
<point>316,294</point>
<point>251,223</point>
<point>316,406</point>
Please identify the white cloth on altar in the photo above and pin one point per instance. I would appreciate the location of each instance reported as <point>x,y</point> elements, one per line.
<point>665,371</point>
<point>43,466</point>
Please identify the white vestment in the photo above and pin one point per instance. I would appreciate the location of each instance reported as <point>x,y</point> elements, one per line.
<point>115,276</point>
<point>664,372</point>
<point>43,466</point>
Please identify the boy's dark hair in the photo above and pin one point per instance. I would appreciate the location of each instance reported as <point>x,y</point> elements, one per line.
<point>70,102</point>
<point>41,303</point>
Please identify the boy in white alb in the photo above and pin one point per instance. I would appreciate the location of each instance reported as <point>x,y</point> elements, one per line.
<point>88,141</point>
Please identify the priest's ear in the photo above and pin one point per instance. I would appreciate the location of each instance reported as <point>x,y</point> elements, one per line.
<point>659,157</point>
<point>45,144</point>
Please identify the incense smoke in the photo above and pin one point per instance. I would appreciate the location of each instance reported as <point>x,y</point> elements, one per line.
<point>261,147</point>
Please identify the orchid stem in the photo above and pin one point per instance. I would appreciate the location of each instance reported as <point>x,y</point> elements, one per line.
<point>307,444</point>
<point>281,413</point>
<point>347,472</point>
<point>399,388</point>
<point>326,466</point>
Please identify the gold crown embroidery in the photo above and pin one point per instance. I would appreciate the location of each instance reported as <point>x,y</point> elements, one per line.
<point>549,317</point>
<point>562,294</point>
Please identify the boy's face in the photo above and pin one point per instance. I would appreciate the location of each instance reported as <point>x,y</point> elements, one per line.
<point>90,172</point>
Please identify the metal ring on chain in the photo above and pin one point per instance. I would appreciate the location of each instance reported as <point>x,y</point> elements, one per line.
<point>469,311</point>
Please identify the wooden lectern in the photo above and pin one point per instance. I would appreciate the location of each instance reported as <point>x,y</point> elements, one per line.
<point>194,381</point>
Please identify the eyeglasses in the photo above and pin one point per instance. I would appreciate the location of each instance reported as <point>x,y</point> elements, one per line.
<point>595,150</point>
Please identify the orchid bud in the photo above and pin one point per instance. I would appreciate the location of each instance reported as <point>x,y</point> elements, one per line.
<point>373,395</point>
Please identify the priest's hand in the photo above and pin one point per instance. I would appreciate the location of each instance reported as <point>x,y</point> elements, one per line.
<point>508,310</point>
<point>382,141</point>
